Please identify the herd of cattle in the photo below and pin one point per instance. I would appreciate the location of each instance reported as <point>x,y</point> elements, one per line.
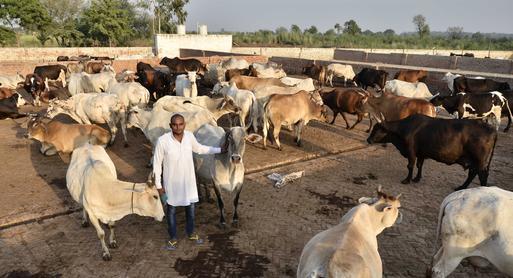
<point>261,96</point>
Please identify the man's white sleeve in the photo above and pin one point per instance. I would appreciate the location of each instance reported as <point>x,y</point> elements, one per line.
<point>158,157</point>
<point>202,149</point>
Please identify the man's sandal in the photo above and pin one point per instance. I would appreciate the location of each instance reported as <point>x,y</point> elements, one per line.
<point>171,245</point>
<point>196,239</point>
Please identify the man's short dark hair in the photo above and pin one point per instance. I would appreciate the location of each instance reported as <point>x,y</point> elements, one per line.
<point>176,116</point>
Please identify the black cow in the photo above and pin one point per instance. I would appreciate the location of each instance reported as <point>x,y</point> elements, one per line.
<point>62,58</point>
<point>34,84</point>
<point>467,54</point>
<point>9,108</point>
<point>142,66</point>
<point>156,82</point>
<point>371,77</point>
<point>465,142</point>
<point>474,85</point>
<point>49,71</point>
<point>476,106</point>
<point>177,65</point>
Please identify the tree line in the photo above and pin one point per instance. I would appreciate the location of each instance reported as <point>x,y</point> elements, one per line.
<point>69,23</point>
<point>88,23</point>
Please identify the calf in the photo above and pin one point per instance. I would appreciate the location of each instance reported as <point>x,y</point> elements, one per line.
<point>186,85</point>
<point>342,101</point>
<point>56,136</point>
<point>316,72</point>
<point>343,71</point>
<point>371,77</point>
<point>142,66</point>
<point>158,83</point>
<point>94,67</point>
<point>50,71</point>
<point>35,85</point>
<point>350,249</point>
<point>474,85</point>
<point>476,106</point>
<point>295,109</point>
<point>9,107</point>
<point>411,76</point>
<point>465,142</point>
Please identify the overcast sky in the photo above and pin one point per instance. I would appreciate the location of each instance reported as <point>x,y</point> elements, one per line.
<point>377,15</point>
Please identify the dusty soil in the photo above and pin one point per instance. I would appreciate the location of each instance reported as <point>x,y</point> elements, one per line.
<point>274,226</point>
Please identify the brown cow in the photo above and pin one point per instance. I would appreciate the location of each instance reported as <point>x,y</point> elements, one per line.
<point>235,72</point>
<point>394,108</point>
<point>59,137</point>
<point>6,92</point>
<point>177,65</point>
<point>316,72</point>
<point>345,100</point>
<point>94,67</point>
<point>252,83</point>
<point>412,76</point>
<point>297,109</point>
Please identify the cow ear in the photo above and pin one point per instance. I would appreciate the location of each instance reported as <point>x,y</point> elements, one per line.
<point>367,200</point>
<point>253,138</point>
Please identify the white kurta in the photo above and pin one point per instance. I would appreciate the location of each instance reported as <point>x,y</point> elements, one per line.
<point>179,176</point>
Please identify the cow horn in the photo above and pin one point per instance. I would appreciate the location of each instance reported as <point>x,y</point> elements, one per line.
<point>380,189</point>
<point>399,195</point>
<point>151,179</point>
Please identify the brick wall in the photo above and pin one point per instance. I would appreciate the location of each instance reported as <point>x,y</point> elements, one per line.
<point>49,54</point>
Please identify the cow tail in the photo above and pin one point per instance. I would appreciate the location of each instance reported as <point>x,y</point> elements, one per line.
<point>491,154</point>
<point>252,112</point>
<point>441,213</point>
<point>507,106</point>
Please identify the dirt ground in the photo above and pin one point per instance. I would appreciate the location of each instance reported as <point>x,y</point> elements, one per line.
<point>40,228</point>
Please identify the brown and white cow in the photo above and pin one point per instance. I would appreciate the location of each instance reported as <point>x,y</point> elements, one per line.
<point>295,109</point>
<point>411,76</point>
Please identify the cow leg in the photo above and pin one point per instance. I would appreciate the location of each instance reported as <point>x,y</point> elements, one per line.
<point>113,131</point>
<point>509,123</point>
<point>264,132</point>
<point>101,235</point>
<point>472,172</point>
<point>420,163</point>
<point>483,177</point>
<point>235,220</point>
<point>335,113</point>
<point>276,135</point>
<point>411,163</point>
<point>358,120</point>
<point>444,263</point>
<point>345,119</point>
<point>112,239</point>
<point>298,127</point>
<point>85,217</point>
<point>220,204</point>
<point>370,123</point>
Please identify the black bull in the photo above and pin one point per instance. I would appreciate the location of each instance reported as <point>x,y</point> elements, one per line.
<point>469,143</point>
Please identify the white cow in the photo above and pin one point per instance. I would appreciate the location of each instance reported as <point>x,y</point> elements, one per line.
<point>343,71</point>
<point>11,81</point>
<point>92,83</point>
<point>407,89</point>
<point>130,93</point>
<point>126,76</point>
<point>92,182</point>
<point>350,249</point>
<point>244,99</point>
<point>93,108</point>
<point>266,71</point>
<point>224,171</point>
<point>233,63</point>
<point>217,106</point>
<point>186,85</point>
<point>305,84</point>
<point>155,122</point>
<point>475,223</point>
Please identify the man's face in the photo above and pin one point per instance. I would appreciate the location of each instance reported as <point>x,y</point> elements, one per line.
<point>177,125</point>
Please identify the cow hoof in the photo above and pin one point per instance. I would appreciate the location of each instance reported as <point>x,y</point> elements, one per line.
<point>299,144</point>
<point>126,145</point>
<point>113,244</point>
<point>106,257</point>
<point>85,224</point>
<point>280,149</point>
<point>235,224</point>
<point>368,130</point>
<point>460,188</point>
<point>405,181</point>
<point>149,165</point>
<point>416,180</point>
<point>222,226</point>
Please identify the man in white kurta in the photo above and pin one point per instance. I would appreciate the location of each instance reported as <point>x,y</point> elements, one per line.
<point>173,160</point>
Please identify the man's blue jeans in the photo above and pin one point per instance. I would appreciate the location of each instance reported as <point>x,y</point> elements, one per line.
<point>171,220</point>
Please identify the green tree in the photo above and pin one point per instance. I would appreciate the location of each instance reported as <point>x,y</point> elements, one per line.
<point>312,30</point>
<point>107,22</point>
<point>7,36</point>
<point>295,29</point>
<point>338,28</point>
<point>28,14</point>
<point>389,32</point>
<point>166,13</point>
<point>63,28</point>
<point>421,26</point>
<point>352,28</point>
<point>455,32</point>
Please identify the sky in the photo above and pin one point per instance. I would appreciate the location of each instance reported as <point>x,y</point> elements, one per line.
<point>486,16</point>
